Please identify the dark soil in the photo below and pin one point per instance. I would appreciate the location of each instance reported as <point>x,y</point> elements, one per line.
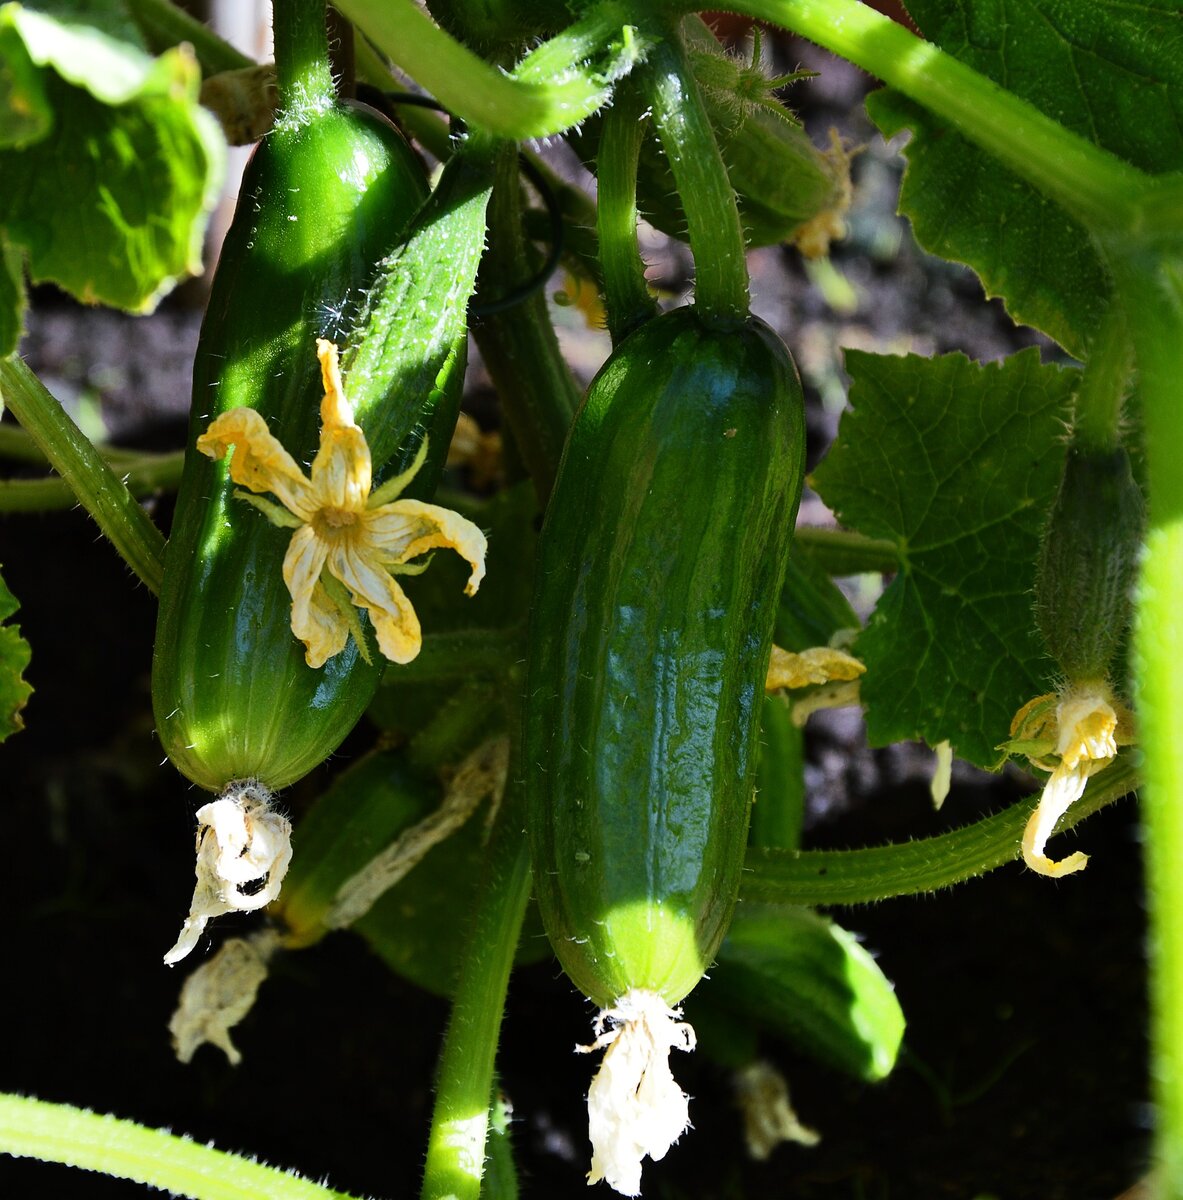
<point>1024,1075</point>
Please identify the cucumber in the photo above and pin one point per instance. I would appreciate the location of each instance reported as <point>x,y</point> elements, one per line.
<point>320,206</point>
<point>1089,562</point>
<point>660,566</point>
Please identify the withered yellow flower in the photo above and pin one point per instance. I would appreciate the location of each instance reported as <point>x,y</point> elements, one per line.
<point>818,664</point>
<point>344,533</point>
<point>1082,727</point>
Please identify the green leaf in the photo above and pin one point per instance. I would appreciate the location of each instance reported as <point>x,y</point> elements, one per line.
<point>1111,72</point>
<point>957,464</point>
<point>109,164</point>
<point>12,300</point>
<point>14,658</point>
<point>965,207</point>
<point>1108,70</point>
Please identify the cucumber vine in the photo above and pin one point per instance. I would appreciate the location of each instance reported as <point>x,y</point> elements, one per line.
<point>1024,518</point>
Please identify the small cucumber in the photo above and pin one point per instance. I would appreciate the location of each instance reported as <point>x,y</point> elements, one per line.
<point>660,566</point>
<point>1089,561</point>
<point>803,977</point>
<point>784,184</point>
<point>319,207</point>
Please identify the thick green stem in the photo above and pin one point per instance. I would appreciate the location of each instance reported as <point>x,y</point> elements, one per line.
<point>460,1121</point>
<point>93,1142</point>
<point>1103,192</point>
<point>626,293</point>
<point>462,654</point>
<point>518,344</point>
<point>779,808</point>
<point>840,553</point>
<point>142,476</point>
<point>93,482</point>
<point>1104,386</point>
<point>555,93</point>
<point>708,199</point>
<point>303,73</point>
<point>822,877</point>
<point>163,24</point>
<point>1150,283</point>
<point>467,716</point>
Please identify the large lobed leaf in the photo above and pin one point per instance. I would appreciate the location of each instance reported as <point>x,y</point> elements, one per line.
<point>109,163</point>
<point>1106,69</point>
<point>957,464</point>
<point>14,658</point>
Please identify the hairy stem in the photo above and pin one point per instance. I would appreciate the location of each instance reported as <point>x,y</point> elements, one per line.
<point>518,344</point>
<point>460,1121</point>
<point>93,1142</point>
<point>1104,385</point>
<point>142,475</point>
<point>823,877</point>
<point>1103,192</point>
<point>708,199</point>
<point>163,24</point>
<point>840,553</point>
<point>555,93</point>
<point>303,73</point>
<point>626,293</point>
<point>1150,283</point>
<point>98,488</point>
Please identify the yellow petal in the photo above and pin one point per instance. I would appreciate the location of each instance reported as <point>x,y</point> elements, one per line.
<point>1088,726</point>
<point>259,462</point>
<point>819,664</point>
<point>315,619</point>
<point>372,588</point>
<point>341,471</point>
<point>1062,790</point>
<point>335,410</point>
<point>405,529</point>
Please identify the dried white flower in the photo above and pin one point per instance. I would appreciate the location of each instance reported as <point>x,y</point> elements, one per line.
<point>768,1114</point>
<point>243,851</point>
<point>220,993</point>
<point>483,773</point>
<point>634,1107</point>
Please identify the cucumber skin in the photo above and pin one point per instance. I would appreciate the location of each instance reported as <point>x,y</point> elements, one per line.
<point>660,567</point>
<point>232,695</point>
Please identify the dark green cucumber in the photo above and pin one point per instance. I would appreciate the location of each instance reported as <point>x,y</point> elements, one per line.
<point>320,206</point>
<point>660,566</point>
<point>1089,562</point>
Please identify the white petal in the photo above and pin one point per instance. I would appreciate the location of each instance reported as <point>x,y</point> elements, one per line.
<point>240,841</point>
<point>315,619</point>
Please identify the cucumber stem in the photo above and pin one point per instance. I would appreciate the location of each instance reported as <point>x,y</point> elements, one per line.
<point>559,91</point>
<point>838,552</point>
<point>460,1120</point>
<point>142,475</point>
<point>98,489</point>
<point>816,878</point>
<point>779,807</point>
<point>125,1150</point>
<point>459,655</point>
<point>1100,190</point>
<point>1150,284</point>
<point>163,24</point>
<point>519,346</point>
<point>626,293</point>
<point>708,199</point>
<point>1104,386</point>
<point>303,73</point>
<point>457,725</point>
